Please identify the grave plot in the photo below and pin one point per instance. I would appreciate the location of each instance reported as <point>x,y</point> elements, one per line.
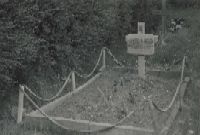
<point>116,101</point>
<point>115,94</point>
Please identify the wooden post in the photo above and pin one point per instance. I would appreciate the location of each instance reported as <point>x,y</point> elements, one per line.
<point>73,81</point>
<point>141,66</point>
<point>104,59</point>
<point>155,127</point>
<point>141,44</point>
<point>183,68</point>
<point>163,16</point>
<point>20,104</point>
<point>182,75</point>
<point>141,59</point>
<point>182,91</point>
<point>163,21</point>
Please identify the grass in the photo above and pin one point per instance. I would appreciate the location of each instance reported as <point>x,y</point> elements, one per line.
<point>194,101</point>
<point>9,127</point>
<point>117,86</point>
<point>188,39</point>
<point>184,42</point>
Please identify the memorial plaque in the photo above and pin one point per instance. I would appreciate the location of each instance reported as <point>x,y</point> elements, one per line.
<point>141,44</point>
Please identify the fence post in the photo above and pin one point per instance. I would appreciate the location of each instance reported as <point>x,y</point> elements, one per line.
<point>73,81</point>
<point>20,104</point>
<point>151,107</point>
<point>182,91</point>
<point>183,68</point>
<point>104,59</point>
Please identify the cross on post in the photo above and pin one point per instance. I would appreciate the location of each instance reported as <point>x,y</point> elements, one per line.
<point>141,44</point>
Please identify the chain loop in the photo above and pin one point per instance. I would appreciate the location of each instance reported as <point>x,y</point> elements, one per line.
<point>176,93</point>
<point>52,98</point>
<point>66,128</point>
<point>78,74</point>
<point>94,69</point>
<point>114,58</point>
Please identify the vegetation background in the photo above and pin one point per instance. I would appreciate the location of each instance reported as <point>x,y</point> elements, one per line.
<point>42,40</point>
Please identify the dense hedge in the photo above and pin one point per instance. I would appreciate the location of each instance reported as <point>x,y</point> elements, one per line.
<point>40,36</point>
<point>185,3</point>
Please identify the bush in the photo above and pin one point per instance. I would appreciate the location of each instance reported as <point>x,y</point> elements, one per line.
<point>185,3</point>
<point>42,37</point>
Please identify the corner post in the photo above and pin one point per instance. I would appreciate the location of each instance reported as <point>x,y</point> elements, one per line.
<point>104,59</point>
<point>20,104</point>
<point>151,107</point>
<point>73,81</point>
<point>182,91</point>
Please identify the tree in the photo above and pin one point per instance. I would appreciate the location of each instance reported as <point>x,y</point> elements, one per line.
<point>38,37</point>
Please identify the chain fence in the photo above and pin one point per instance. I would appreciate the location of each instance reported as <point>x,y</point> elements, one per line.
<point>69,129</point>
<point>98,61</point>
<point>89,75</point>
<point>61,90</point>
<point>176,92</point>
<point>85,76</point>
<point>114,58</point>
<point>53,97</point>
<point>93,70</point>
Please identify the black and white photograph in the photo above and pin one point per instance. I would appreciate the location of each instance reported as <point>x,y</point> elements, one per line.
<point>99,67</point>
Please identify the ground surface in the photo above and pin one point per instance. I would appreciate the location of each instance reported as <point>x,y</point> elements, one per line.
<point>115,94</point>
<point>188,119</point>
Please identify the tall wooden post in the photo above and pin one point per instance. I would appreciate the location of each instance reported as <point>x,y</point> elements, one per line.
<point>163,13</point>
<point>20,104</point>
<point>163,18</point>
<point>73,81</point>
<point>104,59</point>
<point>141,59</point>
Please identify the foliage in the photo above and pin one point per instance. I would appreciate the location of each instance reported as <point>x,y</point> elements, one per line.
<point>39,38</point>
<point>185,3</point>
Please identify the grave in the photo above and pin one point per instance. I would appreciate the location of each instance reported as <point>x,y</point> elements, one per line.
<point>109,98</point>
<point>141,45</point>
<point>114,101</point>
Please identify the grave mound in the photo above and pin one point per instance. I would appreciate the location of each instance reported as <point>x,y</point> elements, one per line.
<point>115,94</point>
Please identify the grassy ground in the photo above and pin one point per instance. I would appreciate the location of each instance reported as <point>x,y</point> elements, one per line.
<point>188,38</point>
<point>187,122</point>
<point>123,92</point>
<point>187,41</point>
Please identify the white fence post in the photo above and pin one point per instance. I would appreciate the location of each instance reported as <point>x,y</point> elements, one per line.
<point>73,81</point>
<point>154,123</point>
<point>20,104</point>
<point>104,59</point>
